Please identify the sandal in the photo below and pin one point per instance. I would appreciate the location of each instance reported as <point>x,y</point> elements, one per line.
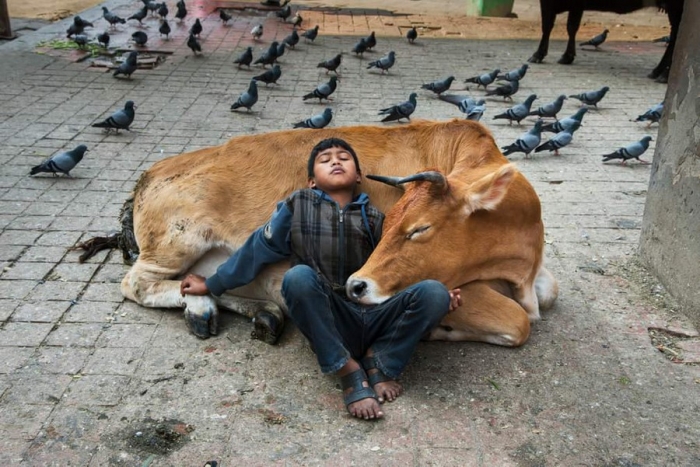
<point>354,380</point>
<point>376,377</point>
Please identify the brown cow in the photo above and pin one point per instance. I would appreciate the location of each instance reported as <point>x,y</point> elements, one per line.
<point>191,211</point>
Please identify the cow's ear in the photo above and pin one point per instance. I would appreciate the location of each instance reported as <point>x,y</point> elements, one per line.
<point>488,192</point>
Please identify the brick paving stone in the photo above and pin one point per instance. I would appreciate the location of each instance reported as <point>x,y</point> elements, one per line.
<point>24,334</point>
<point>57,290</point>
<point>30,387</point>
<point>126,335</point>
<point>40,312</point>
<point>106,361</point>
<point>22,421</point>
<point>91,312</point>
<point>7,307</point>
<point>32,271</point>
<point>13,358</point>
<point>59,360</point>
<point>96,390</point>
<point>75,335</point>
<point>103,292</point>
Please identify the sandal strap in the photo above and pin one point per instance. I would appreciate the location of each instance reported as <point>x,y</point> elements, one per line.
<point>377,376</point>
<point>354,380</point>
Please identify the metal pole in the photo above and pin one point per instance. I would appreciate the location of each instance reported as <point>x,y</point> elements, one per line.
<point>5,29</point>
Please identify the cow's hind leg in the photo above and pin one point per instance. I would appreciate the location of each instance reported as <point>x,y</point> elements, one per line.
<point>267,316</point>
<point>486,316</point>
<point>573,22</point>
<point>150,285</point>
<point>548,18</point>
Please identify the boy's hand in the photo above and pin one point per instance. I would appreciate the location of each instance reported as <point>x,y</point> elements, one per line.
<point>193,284</point>
<point>455,299</point>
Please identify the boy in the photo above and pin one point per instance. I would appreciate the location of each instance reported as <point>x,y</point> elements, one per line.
<point>329,231</point>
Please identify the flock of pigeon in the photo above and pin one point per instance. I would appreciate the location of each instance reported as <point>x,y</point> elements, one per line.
<point>508,84</point>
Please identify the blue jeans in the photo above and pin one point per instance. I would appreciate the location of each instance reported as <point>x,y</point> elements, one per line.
<point>339,329</point>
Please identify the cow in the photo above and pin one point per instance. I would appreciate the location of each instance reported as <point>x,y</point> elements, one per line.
<point>189,212</point>
<point>550,8</point>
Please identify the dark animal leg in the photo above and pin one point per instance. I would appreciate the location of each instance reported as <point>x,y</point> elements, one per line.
<point>572,24</point>
<point>548,17</point>
<point>674,9</point>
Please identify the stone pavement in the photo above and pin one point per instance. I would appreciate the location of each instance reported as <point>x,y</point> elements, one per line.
<point>89,379</point>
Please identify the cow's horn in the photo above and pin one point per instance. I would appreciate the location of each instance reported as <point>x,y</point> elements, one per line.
<point>431,176</point>
<point>393,181</point>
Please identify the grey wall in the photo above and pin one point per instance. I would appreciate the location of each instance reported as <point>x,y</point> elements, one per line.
<point>670,242</point>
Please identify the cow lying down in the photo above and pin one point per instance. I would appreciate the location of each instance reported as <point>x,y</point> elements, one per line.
<point>457,212</point>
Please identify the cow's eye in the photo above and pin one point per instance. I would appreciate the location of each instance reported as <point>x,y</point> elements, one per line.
<point>417,231</point>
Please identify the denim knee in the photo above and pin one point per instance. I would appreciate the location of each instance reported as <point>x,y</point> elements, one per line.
<point>298,279</point>
<point>432,294</point>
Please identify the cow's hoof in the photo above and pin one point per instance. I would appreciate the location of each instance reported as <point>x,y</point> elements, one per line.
<point>566,59</point>
<point>202,325</point>
<point>536,58</point>
<point>268,327</point>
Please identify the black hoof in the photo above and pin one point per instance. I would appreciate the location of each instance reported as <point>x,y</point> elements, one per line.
<point>202,326</point>
<point>535,58</point>
<point>566,59</point>
<point>268,327</point>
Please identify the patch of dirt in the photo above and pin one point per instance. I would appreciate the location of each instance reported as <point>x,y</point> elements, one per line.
<point>149,436</point>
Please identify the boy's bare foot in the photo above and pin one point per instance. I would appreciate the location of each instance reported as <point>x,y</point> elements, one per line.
<point>367,408</point>
<point>359,397</point>
<point>387,389</point>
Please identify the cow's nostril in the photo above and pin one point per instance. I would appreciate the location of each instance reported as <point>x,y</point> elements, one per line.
<point>359,288</point>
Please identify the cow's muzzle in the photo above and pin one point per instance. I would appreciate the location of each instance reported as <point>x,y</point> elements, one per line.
<point>356,289</point>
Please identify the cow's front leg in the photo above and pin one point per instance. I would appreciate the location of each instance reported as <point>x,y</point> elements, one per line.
<point>548,18</point>
<point>201,315</point>
<point>573,22</point>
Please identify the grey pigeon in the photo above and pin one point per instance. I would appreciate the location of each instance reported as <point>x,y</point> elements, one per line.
<point>527,142</point>
<point>371,41</point>
<point>269,56</point>
<point>632,151</point>
<point>194,44</point>
<point>78,26</point>
<point>269,76</point>
<point>196,28</point>
<point>163,10</point>
<point>384,63</point>
<point>484,79</point>
<point>280,50</point>
<point>412,35</point>
<point>111,18</point>
<point>181,11</point>
<point>557,142</point>
<point>591,97</point>
<point>331,64</point>
<point>62,162</point>
<point>81,40</point>
<point>165,29</point>
<point>505,90</point>
<point>310,34</point>
<point>292,40</point>
<point>551,109</point>
<point>103,39</point>
<point>318,121</point>
<point>284,13</point>
<point>140,38</point>
<point>438,87</point>
<point>653,115</point>
<point>139,15</point>
<point>324,90</point>
<point>514,75</point>
<point>297,20</point>
<point>224,17</point>
<point>569,124</point>
<point>519,111</point>
<point>399,111</point>
<point>248,98</point>
<point>476,111</point>
<point>128,66</point>
<point>257,32</point>
<point>246,58</point>
<point>119,120</point>
<point>152,6</point>
<point>464,103</point>
<point>360,47</point>
<point>597,40</point>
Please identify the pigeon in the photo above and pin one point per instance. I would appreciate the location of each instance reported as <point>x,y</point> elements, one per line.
<point>163,10</point>
<point>569,124</point>
<point>139,15</point>
<point>62,162</point>
<point>81,40</point>
<point>119,120</point>
<point>165,29</point>
<point>225,17</point>
<point>464,103</point>
<point>248,98</point>
<point>557,142</point>
<point>196,28</point>
<point>514,75</point>
<point>310,34</point>
<point>384,63</point>
<point>284,13</point>
<point>280,50</point>
<point>181,11</point>
<point>297,20</point>
<point>664,39</point>
<point>591,97</point>
<point>78,26</point>
<point>246,58</point>
<point>140,38</point>
<point>371,41</point>
<point>269,56</point>
<point>476,111</point>
<point>360,47</point>
<point>527,142</point>
<point>324,90</point>
<point>103,39</point>
<point>505,90</point>
<point>318,121</point>
<point>518,112</point>
<point>80,22</point>
<point>257,32</point>
<point>292,40</point>
<point>399,111</point>
<point>128,66</point>
<point>194,44</point>
<point>412,35</point>
<point>331,64</point>
<point>551,109</point>
<point>483,80</point>
<point>269,76</point>
<point>152,6</point>
<point>111,18</point>
<point>653,115</point>
<point>438,87</point>
<point>597,40</point>
<point>632,151</point>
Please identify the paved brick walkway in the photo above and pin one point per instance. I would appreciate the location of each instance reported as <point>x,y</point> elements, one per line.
<point>87,378</point>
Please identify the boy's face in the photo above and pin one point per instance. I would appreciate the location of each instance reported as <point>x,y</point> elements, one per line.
<point>334,170</point>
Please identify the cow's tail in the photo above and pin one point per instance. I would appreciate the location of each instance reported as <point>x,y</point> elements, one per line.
<point>124,240</point>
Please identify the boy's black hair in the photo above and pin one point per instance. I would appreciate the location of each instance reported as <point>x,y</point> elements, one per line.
<point>327,144</point>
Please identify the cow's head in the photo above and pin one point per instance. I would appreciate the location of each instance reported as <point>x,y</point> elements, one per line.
<point>444,228</point>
